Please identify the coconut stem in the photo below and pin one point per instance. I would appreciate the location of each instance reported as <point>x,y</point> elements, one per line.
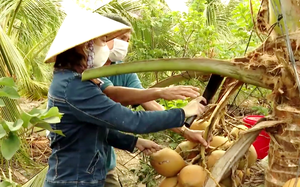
<point>239,71</point>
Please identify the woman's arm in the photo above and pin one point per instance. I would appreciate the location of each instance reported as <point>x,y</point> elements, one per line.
<point>121,140</point>
<point>89,104</point>
<point>133,96</point>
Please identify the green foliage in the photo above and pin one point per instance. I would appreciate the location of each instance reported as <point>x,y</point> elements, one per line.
<point>10,141</point>
<point>25,34</point>
<point>11,132</point>
<point>10,145</point>
<point>37,180</point>
<point>261,110</point>
<point>8,184</point>
<point>146,174</point>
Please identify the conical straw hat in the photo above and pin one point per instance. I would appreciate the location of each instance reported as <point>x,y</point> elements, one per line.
<point>81,27</point>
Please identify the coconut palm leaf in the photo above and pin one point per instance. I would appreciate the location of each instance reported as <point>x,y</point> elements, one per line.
<point>12,61</point>
<point>38,179</point>
<point>225,68</point>
<point>28,27</point>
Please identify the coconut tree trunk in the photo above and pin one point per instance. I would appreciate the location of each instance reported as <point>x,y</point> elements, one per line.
<point>284,152</point>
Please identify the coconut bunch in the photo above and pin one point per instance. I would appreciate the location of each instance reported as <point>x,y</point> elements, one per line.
<point>184,166</point>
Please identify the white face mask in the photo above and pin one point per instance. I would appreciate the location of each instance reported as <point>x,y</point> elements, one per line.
<point>119,50</point>
<point>101,55</point>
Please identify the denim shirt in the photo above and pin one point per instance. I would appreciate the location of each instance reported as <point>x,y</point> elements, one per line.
<point>78,159</point>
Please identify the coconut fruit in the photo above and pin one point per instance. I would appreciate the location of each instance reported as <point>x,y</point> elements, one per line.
<point>252,157</point>
<point>192,176</point>
<point>169,182</point>
<point>184,149</point>
<point>227,182</point>
<point>238,177</point>
<point>235,132</point>
<point>167,162</point>
<point>248,172</point>
<point>214,157</point>
<point>217,141</point>
<point>199,125</point>
<point>291,183</point>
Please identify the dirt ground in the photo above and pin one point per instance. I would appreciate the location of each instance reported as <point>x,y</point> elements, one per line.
<point>125,163</point>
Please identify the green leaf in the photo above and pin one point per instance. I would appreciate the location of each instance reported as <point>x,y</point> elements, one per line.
<point>38,179</point>
<point>5,184</point>
<point>2,103</point>
<point>37,112</point>
<point>49,128</point>
<point>14,126</point>
<point>10,145</point>
<point>52,120</point>
<point>9,92</point>
<point>26,118</point>
<point>7,81</point>
<point>6,124</point>
<point>2,132</point>
<point>52,112</point>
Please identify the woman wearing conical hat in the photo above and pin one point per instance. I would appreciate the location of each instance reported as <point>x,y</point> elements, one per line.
<point>78,158</point>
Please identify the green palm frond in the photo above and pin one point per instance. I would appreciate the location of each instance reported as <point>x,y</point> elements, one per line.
<point>124,8</point>
<point>28,27</point>
<point>38,179</point>
<point>12,61</point>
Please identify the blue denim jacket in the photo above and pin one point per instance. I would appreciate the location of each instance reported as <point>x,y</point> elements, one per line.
<point>78,159</point>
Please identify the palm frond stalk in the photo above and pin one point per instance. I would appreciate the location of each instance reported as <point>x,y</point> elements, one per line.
<point>236,70</point>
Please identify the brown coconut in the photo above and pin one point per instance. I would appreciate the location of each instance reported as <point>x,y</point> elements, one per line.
<point>169,182</point>
<point>252,157</point>
<point>184,149</point>
<point>199,125</point>
<point>167,162</point>
<point>214,157</point>
<point>238,177</point>
<point>235,132</point>
<point>217,141</point>
<point>192,176</point>
<point>227,182</point>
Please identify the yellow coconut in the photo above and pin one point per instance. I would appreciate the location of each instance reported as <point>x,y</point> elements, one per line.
<point>248,172</point>
<point>240,173</point>
<point>252,157</point>
<point>291,183</point>
<point>235,132</point>
<point>167,162</point>
<point>199,125</point>
<point>214,157</point>
<point>169,182</point>
<point>238,177</point>
<point>184,149</point>
<point>192,176</point>
<point>217,141</point>
<point>227,182</point>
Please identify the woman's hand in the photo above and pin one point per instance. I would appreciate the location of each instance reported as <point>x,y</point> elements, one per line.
<point>147,146</point>
<point>196,136</point>
<point>194,107</point>
<point>178,92</point>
